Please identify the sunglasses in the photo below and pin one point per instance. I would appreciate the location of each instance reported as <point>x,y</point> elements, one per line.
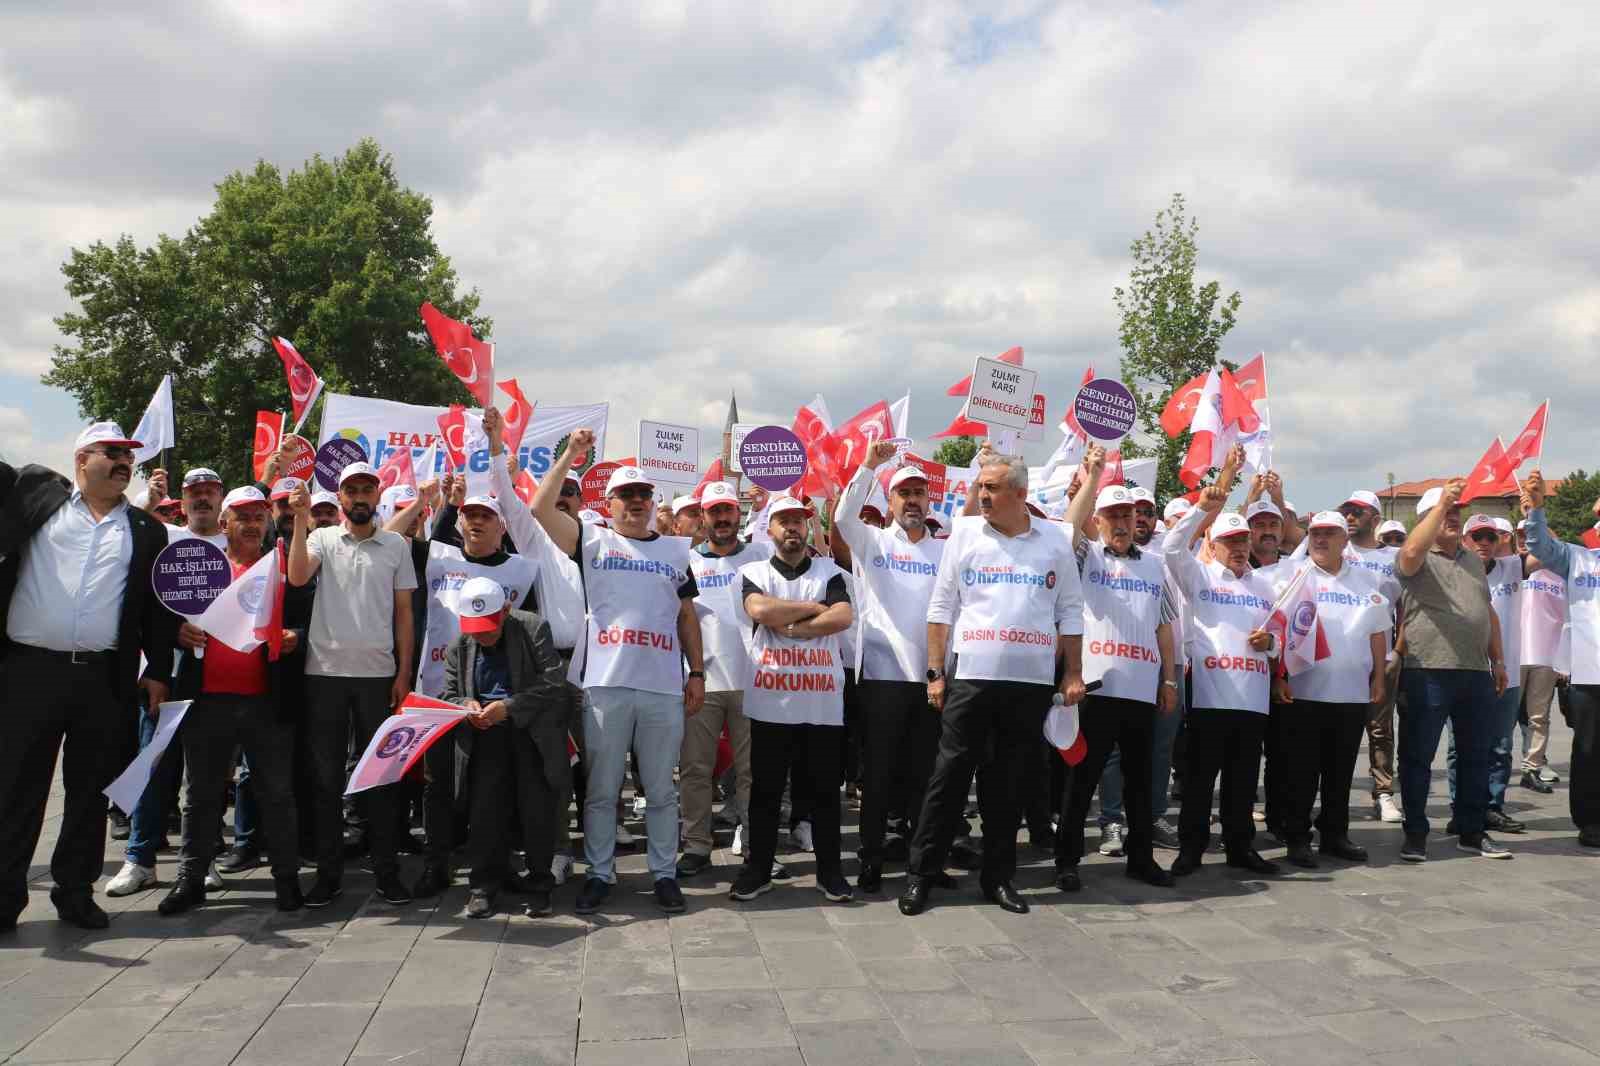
<point>113,452</point>
<point>1485,535</point>
<point>634,493</point>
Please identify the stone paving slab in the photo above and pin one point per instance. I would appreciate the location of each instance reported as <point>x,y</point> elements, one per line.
<point>1458,961</point>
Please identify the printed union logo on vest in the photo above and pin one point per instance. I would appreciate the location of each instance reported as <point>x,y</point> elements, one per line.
<point>905,564</point>
<point>1006,575</point>
<point>612,559</point>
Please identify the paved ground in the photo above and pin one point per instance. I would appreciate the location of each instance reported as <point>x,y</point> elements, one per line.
<point>1463,960</point>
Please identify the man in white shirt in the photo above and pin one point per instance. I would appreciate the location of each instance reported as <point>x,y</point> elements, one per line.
<point>895,570</point>
<point>1013,580</point>
<point>1362,516</point>
<point>202,507</point>
<point>1327,705</point>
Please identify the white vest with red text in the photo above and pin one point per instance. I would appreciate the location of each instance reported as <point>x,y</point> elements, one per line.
<point>794,681</point>
<point>1121,610</point>
<point>1226,673</point>
<point>631,591</point>
<point>448,570</point>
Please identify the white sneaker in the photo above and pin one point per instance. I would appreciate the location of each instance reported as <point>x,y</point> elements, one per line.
<point>561,868</point>
<point>130,879</point>
<point>1547,775</point>
<point>737,847</point>
<point>638,806</point>
<point>214,880</point>
<point>1389,810</point>
<point>800,836</point>
<point>625,839</point>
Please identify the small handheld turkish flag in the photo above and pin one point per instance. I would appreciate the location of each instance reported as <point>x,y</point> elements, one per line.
<point>453,431</point>
<point>517,415</point>
<point>304,384</point>
<point>469,359</point>
<point>269,432</point>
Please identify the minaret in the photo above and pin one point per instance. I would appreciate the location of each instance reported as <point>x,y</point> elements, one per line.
<point>727,434</point>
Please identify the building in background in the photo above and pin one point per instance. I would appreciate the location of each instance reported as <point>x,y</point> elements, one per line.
<point>1400,501</point>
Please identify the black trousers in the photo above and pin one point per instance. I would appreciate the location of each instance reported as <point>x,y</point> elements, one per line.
<point>341,711</point>
<point>1277,766</point>
<point>1582,704</point>
<point>443,821</point>
<point>1226,742</point>
<point>1108,722</point>
<point>214,727</point>
<point>854,729</point>
<point>995,725</point>
<point>900,735</point>
<point>506,766</point>
<point>52,706</point>
<point>774,749</point>
<point>1319,744</point>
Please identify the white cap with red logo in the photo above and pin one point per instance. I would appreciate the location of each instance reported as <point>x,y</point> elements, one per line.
<point>624,476</point>
<point>479,603</point>
<point>1142,495</point>
<point>355,470</point>
<point>783,505</point>
<point>1391,526</point>
<point>1261,507</point>
<point>244,496</point>
<point>681,504</point>
<point>284,486</point>
<point>1328,520</point>
<point>1477,522</point>
<point>904,474</point>
<point>1176,508</point>
<point>485,503</point>
<point>104,433</point>
<point>1113,496</point>
<point>1364,498</point>
<point>324,498</point>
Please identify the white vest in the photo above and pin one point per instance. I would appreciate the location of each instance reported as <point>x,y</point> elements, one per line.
<point>1583,605</point>
<point>1543,622</point>
<point>448,570</point>
<point>722,636</point>
<point>894,584</point>
<point>1227,674</point>
<point>1121,610</point>
<point>1505,596</point>
<point>794,681</point>
<point>631,624</point>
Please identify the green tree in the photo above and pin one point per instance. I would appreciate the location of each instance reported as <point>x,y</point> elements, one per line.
<point>1171,330</point>
<point>1568,511</point>
<point>336,256</point>
<point>956,451</point>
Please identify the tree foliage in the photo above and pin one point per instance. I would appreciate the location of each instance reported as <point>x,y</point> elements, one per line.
<point>1171,329</point>
<point>956,451</point>
<point>336,256</point>
<point>1568,511</point>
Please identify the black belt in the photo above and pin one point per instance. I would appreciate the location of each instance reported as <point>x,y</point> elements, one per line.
<point>73,658</point>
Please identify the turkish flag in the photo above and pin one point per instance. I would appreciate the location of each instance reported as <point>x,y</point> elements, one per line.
<point>962,426</point>
<point>813,427</point>
<point>304,385</point>
<point>1069,421</point>
<point>524,486</point>
<point>1252,378</point>
<point>1181,407</point>
<point>453,431</point>
<point>1529,443</point>
<point>1486,479</point>
<point>713,473</point>
<point>469,359</point>
<point>1236,408</point>
<point>855,437</point>
<point>397,470</point>
<point>964,386</point>
<point>518,413</point>
<point>269,432</point>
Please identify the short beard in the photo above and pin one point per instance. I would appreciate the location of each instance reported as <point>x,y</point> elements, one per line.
<point>911,523</point>
<point>359,514</point>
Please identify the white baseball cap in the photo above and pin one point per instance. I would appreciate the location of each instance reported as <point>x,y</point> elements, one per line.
<point>1113,496</point>
<point>1288,505</point>
<point>718,492</point>
<point>1261,507</point>
<point>479,603</point>
<point>785,504</point>
<point>1391,526</point>
<point>488,503</point>
<point>323,497</point>
<point>284,486</point>
<point>1364,498</point>
<point>1430,500</point>
<point>1229,524</point>
<point>1502,524</point>
<point>627,475</point>
<point>1328,520</point>
<point>904,474</point>
<point>104,433</point>
<point>1522,525</point>
<point>1477,522</point>
<point>681,504</point>
<point>1176,508</point>
<point>355,470</point>
<point>245,496</point>
<point>201,475</point>
<point>1141,494</point>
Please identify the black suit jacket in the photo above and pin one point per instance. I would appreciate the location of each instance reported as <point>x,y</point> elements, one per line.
<point>28,497</point>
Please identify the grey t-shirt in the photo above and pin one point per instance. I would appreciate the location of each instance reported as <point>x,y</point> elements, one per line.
<point>1445,613</point>
<point>352,618</point>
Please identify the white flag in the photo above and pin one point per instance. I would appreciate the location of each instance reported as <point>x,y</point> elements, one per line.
<point>900,415</point>
<point>131,783</point>
<point>242,617</point>
<point>1069,453</point>
<point>158,428</point>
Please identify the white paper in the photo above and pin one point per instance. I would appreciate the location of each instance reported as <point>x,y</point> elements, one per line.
<point>130,785</point>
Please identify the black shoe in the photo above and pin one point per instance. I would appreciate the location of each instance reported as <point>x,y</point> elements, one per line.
<point>964,856</point>
<point>1187,863</point>
<point>1589,836</point>
<point>434,880</point>
<point>1164,835</point>
<point>538,904</point>
<point>287,891</point>
<point>239,859</point>
<point>1529,780</point>
<point>1501,822</point>
<point>692,863</point>
<point>393,890</point>
<point>870,880</point>
<point>749,884</point>
<point>595,891</point>
<point>780,872</point>
<point>8,923</point>
<point>1006,896</point>
<point>1300,855</point>
<point>943,880</point>
<point>914,900</point>
<point>1151,875</point>
<point>1450,828</point>
<point>324,891</point>
<point>409,844</point>
<point>1254,863</point>
<point>1415,849</point>
<point>186,893</point>
<point>1345,849</point>
<point>1068,880</point>
<point>121,825</point>
<point>480,903</point>
<point>897,849</point>
<point>835,889</point>
<point>83,912</point>
<point>669,897</point>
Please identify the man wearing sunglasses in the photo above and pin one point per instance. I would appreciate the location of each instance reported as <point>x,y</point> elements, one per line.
<point>75,592</point>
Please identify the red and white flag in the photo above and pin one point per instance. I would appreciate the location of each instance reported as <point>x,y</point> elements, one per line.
<point>249,612</point>
<point>1294,621</point>
<point>397,469</point>
<point>269,433</point>
<point>524,486</point>
<point>1528,445</point>
<point>469,359</point>
<point>304,384</point>
<point>1069,421</point>
<point>453,433</point>
<point>402,739</point>
<point>517,415</point>
<point>961,388</point>
<point>815,429</point>
<point>1591,537</point>
<point>1183,404</point>
<point>852,440</point>
<point>1221,414</point>
<point>1252,381</point>
<point>1486,478</point>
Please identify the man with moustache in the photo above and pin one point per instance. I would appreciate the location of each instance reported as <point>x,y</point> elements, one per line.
<point>1362,516</point>
<point>715,564</point>
<point>1452,670</point>
<point>75,564</point>
<point>688,519</point>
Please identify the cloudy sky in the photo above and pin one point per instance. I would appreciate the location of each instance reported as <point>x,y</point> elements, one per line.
<point>663,201</point>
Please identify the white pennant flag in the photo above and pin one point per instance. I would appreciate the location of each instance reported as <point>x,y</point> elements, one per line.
<point>243,616</point>
<point>158,428</point>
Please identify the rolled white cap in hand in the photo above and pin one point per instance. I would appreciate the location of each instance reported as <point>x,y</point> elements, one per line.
<point>1391,526</point>
<point>245,496</point>
<point>284,486</point>
<point>718,492</point>
<point>904,474</point>
<point>1113,496</point>
<point>355,470</point>
<point>1364,498</point>
<point>487,503</point>
<point>1229,524</point>
<point>479,603</point>
<point>104,433</point>
<point>1261,507</point>
<point>785,504</point>
<point>624,476</point>
<point>1430,499</point>
<point>1328,520</point>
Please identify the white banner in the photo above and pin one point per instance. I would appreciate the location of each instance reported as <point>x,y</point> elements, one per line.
<point>381,426</point>
<point>669,454</point>
<point>741,430</point>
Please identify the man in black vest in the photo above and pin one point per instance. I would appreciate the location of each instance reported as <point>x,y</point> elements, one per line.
<point>76,597</point>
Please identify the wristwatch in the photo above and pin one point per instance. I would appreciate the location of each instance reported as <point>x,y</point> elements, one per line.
<point>934,674</point>
<point>701,674</point>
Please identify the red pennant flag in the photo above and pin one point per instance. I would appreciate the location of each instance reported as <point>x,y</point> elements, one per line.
<point>852,439</point>
<point>1485,479</point>
<point>1069,421</point>
<point>304,385</point>
<point>397,469</point>
<point>469,359</point>
<point>453,430</point>
<point>269,433</point>
<point>1182,405</point>
<point>713,473</point>
<point>964,386</point>
<point>1236,409</point>
<point>1528,445</point>
<point>518,413</point>
<point>962,426</point>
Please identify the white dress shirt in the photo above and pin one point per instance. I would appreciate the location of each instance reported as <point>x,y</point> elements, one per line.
<point>73,574</point>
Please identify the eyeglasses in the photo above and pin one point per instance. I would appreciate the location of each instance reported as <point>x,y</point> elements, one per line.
<point>113,452</point>
<point>1485,536</point>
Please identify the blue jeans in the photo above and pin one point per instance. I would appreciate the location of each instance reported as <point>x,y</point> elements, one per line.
<point>1166,731</point>
<point>1464,698</point>
<point>616,719</point>
<point>246,816</point>
<point>1504,725</point>
<point>148,819</point>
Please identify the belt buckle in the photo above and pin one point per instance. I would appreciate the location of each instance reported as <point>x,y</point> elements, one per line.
<point>75,661</point>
